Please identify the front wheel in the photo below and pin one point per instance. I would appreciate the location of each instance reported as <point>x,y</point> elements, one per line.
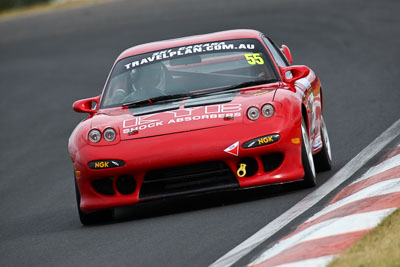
<point>323,159</point>
<point>88,218</point>
<point>309,179</point>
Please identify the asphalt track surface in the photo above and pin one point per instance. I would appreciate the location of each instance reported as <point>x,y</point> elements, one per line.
<point>48,61</point>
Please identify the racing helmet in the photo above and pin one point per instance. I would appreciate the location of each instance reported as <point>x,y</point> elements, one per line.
<point>148,77</point>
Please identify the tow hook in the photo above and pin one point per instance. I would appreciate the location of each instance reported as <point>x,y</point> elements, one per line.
<point>241,172</point>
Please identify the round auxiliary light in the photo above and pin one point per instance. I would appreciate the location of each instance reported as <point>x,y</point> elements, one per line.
<point>253,113</point>
<point>109,134</point>
<point>94,136</point>
<point>267,110</point>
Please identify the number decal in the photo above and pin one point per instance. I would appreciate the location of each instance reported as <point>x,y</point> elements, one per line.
<point>254,58</point>
<point>250,59</point>
<point>258,58</point>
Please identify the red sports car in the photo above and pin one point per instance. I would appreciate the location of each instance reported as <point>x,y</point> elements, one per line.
<point>209,112</point>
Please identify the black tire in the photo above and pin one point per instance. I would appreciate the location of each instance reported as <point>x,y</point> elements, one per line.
<point>88,218</point>
<point>309,179</point>
<point>323,159</point>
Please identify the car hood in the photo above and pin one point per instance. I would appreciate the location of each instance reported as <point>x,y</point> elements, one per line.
<point>184,115</point>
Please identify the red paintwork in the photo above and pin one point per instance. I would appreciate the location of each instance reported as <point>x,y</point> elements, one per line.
<point>85,105</point>
<point>286,51</point>
<point>199,140</point>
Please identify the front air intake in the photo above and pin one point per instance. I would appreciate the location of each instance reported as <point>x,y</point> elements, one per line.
<point>103,186</point>
<point>125,184</point>
<point>271,161</point>
<point>187,179</point>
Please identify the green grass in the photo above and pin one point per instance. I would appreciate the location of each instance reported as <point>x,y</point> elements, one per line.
<point>12,4</point>
<point>380,247</point>
<point>38,6</point>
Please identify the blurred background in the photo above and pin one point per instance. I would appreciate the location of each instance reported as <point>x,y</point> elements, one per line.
<point>11,4</point>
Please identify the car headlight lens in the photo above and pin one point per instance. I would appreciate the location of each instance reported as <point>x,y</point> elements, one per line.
<point>253,113</point>
<point>95,136</point>
<point>267,110</point>
<point>109,134</point>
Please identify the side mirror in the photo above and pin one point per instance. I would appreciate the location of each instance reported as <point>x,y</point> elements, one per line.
<point>292,73</point>
<point>86,105</point>
<point>286,51</point>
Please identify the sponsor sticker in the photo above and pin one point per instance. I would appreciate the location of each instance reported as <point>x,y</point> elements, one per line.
<point>252,58</point>
<point>221,111</point>
<point>317,143</point>
<point>262,141</point>
<point>105,164</point>
<point>233,149</point>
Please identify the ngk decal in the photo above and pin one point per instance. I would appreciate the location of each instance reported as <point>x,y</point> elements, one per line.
<point>182,116</point>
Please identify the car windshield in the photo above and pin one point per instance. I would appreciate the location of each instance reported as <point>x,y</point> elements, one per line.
<point>193,69</point>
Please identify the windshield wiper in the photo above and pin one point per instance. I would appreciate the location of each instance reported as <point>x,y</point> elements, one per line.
<point>231,87</point>
<point>153,100</point>
<point>249,83</point>
<point>164,98</point>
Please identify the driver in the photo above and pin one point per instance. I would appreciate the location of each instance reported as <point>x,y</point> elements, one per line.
<point>148,81</point>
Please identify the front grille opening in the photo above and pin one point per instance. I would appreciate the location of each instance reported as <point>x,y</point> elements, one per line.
<point>103,186</point>
<point>125,184</point>
<point>187,179</point>
<point>251,166</point>
<point>271,161</point>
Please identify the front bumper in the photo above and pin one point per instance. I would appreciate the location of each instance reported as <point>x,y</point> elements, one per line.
<point>181,149</point>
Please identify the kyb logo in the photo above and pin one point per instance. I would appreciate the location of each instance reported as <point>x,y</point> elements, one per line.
<point>139,121</point>
<point>182,115</point>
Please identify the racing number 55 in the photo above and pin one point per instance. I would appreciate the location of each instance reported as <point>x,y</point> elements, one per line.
<point>254,58</point>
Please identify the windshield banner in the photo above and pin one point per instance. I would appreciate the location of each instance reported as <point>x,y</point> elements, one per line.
<point>188,50</point>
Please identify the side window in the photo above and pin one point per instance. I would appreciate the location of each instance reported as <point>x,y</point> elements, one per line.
<point>276,53</point>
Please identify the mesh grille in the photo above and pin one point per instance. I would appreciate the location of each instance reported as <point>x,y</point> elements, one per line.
<point>187,179</point>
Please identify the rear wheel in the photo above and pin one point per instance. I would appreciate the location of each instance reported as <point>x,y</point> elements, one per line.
<point>323,159</point>
<point>92,217</point>
<point>309,179</point>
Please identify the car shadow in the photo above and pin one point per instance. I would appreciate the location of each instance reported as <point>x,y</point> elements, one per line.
<point>48,222</point>
<point>175,205</point>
